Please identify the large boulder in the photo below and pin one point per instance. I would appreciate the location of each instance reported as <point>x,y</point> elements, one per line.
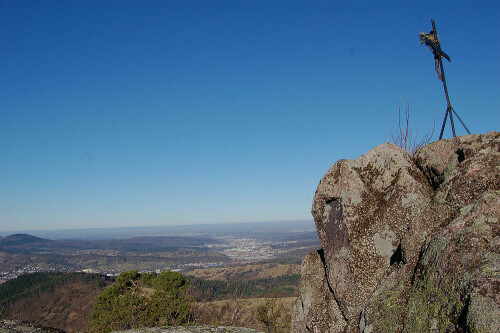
<point>409,243</point>
<point>316,311</point>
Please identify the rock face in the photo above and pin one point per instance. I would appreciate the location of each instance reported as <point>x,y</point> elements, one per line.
<point>409,243</point>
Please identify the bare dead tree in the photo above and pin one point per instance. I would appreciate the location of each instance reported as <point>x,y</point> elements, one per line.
<point>198,309</point>
<point>405,135</point>
<point>236,298</point>
<point>270,315</point>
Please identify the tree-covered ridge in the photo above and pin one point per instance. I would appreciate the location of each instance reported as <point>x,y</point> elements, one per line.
<point>142,300</point>
<point>283,286</point>
<point>31,285</point>
<point>53,299</point>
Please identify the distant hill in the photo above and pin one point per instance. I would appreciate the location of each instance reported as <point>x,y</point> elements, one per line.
<point>22,243</point>
<point>175,230</point>
<point>21,253</point>
<point>134,244</point>
<point>144,243</point>
<point>21,239</point>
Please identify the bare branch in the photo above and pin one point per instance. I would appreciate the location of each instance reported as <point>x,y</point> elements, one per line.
<point>406,137</point>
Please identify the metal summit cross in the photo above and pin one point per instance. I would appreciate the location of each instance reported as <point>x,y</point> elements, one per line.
<point>432,41</point>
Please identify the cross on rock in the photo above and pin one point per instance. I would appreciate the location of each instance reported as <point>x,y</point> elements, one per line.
<point>431,39</point>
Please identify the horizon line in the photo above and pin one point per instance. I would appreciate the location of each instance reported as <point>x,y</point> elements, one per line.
<point>152,226</point>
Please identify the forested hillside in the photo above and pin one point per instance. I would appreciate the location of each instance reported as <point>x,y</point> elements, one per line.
<point>227,296</point>
<point>282,286</point>
<point>61,300</point>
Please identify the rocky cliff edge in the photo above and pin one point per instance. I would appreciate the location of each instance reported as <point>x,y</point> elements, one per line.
<point>409,243</point>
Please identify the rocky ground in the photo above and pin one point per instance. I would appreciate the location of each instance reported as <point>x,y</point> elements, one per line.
<point>192,329</point>
<point>12,326</point>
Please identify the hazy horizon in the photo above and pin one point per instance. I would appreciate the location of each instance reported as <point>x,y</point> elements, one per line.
<point>103,232</point>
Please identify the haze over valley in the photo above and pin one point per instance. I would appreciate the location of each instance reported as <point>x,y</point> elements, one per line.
<point>154,249</point>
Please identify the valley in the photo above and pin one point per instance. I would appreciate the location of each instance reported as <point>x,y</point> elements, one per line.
<point>231,270</point>
<point>174,249</point>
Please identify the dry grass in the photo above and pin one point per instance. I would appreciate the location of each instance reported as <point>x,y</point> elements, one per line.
<point>248,271</point>
<point>236,312</point>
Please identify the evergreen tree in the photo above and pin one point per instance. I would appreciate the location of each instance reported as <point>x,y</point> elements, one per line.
<point>126,304</point>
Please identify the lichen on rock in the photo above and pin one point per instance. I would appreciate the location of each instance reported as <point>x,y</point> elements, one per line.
<point>409,243</point>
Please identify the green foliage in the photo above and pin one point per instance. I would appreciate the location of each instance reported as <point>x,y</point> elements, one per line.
<point>31,285</point>
<point>126,304</point>
<point>270,314</point>
<point>128,277</point>
<point>147,279</point>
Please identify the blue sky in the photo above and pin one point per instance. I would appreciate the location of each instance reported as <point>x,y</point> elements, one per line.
<point>138,113</point>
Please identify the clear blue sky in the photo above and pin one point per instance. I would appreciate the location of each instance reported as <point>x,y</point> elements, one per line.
<point>136,113</point>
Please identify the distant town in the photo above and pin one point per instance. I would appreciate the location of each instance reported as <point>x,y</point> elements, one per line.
<point>23,253</point>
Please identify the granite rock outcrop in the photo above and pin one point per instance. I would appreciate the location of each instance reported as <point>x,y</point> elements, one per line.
<point>408,243</point>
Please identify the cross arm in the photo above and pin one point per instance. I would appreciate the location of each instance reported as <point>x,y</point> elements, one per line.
<point>435,46</point>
